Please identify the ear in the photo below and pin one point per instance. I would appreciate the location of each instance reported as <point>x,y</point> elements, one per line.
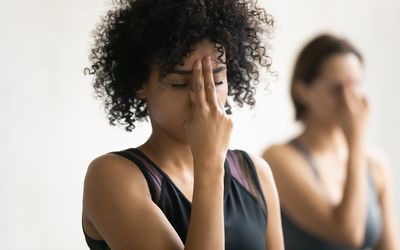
<point>301,91</point>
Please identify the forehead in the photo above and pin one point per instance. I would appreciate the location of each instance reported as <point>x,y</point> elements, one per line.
<point>201,50</point>
<point>342,67</point>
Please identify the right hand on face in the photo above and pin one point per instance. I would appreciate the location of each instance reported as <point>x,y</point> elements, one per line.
<point>208,128</point>
<point>354,114</point>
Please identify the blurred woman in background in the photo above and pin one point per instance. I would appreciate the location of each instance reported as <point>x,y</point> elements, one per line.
<point>335,193</point>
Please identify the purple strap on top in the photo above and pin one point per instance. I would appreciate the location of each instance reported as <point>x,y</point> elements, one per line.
<point>236,170</point>
<point>155,173</point>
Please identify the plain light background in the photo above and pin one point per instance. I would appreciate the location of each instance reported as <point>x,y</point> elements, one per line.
<point>51,127</point>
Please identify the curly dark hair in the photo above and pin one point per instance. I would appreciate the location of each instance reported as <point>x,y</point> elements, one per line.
<point>136,34</point>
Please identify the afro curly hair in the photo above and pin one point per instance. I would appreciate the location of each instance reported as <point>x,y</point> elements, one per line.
<point>135,34</point>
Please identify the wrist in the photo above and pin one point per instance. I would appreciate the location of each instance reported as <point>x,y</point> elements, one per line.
<point>209,160</point>
<point>208,168</point>
<point>356,149</point>
<point>355,141</point>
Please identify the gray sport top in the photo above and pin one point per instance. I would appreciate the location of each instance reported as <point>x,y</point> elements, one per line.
<point>298,239</point>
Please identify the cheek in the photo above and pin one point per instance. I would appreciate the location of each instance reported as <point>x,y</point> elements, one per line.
<point>327,103</point>
<point>176,105</point>
<point>222,93</point>
<point>326,99</point>
<point>167,105</point>
<point>329,106</point>
<point>320,104</point>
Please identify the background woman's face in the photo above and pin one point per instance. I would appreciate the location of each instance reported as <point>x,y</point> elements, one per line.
<point>324,96</point>
<point>168,99</point>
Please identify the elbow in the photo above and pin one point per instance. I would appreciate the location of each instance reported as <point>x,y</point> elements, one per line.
<point>352,233</point>
<point>354,237</point>
<point>356,241</point>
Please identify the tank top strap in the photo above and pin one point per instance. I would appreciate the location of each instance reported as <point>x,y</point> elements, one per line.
<point>242,170</point>
<point>306,154</point>
<point>152,175</point>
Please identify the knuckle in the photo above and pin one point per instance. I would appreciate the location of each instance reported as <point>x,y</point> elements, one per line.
<point>210,86</point>
<point>218,111</point>
<point>198,86</point>
<point>229,124</point>
<point>213,109</point>
<point>203,111</point>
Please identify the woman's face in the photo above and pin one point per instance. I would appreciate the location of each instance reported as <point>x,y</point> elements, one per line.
<point>168,99</point>
<point>323,98</point>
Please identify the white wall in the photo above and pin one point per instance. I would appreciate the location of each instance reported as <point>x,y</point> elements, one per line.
<point>51,127</point>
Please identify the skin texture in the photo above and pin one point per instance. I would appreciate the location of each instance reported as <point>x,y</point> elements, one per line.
<point>332,207</point>
<point>190,138</point>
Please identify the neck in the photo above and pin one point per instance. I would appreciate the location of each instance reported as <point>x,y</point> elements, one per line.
<point>168,152</point>
<point>322,138</point>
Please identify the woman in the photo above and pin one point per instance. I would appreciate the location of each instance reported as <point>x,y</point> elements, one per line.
<point>175,62</point>
<point>334,192</point>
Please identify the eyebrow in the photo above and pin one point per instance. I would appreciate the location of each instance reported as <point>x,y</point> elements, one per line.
<point>189,72</point>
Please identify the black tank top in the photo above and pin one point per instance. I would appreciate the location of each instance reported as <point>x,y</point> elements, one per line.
<point>298,239</point>
<point>245,211</point>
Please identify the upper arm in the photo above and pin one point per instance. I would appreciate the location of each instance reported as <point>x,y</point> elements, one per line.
<point>273,234</point>
<point>117,202</point>
<point>299,193</point>
<point>381,171</point>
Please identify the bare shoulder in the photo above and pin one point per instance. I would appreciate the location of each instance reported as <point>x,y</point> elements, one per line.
<point>111,169</point>
<point>265,177</point>
<point>286,164</point>
<point>274,151</point>
<point>281,156</point>
<point>118,208</point>
<point>379,165</point>
<point>274,238</point>
<point>262,168</point>
<point>277,150</point>
<point>109,163</point>
<point>110,176</point>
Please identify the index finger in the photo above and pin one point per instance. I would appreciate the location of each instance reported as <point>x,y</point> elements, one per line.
<point>198,84</point>
<point>209,84</point>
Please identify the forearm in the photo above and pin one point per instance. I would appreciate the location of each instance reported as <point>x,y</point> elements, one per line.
<point>351,213</point>
<point>389,235</point>
<point>206,226</point>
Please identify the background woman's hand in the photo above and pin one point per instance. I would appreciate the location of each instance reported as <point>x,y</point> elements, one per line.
<point>354,114</point>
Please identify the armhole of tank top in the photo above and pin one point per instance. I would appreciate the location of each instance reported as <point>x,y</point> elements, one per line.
<point>248,177</point>
<point>93,243</point>
<point>154,184</point>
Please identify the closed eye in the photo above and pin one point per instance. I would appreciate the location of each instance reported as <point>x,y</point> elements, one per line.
<point>179,85</point>
<point>183,85</point>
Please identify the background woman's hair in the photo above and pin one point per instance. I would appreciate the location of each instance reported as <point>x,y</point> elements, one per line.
<point>136,34</point>
<point>310,61</point>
